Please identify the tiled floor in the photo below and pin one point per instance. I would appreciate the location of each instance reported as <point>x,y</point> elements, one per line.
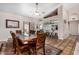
<point>67,45</point>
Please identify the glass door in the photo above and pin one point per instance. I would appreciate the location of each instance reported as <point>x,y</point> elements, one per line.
<point>26,28</point>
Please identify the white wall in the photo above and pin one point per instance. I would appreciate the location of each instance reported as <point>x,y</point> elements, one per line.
<point>5,32</point>
<point>61,23</point>
<point>66,25</point>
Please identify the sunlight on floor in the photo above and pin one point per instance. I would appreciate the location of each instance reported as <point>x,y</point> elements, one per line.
<point>76,52</point>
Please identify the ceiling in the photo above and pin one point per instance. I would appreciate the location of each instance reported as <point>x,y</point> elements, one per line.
<point>28,9</point>
<point>72,8</point>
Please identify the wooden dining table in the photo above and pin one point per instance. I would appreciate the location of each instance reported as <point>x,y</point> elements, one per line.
<point>25,39</point>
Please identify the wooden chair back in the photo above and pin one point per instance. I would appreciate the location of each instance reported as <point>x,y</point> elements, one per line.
<point>18,32</point>
<point>14,41</point>
<point>18,47</point>
<point>41,39</point>
<point>19,42</point>
<point>13,37</point>
<point>12,34</point>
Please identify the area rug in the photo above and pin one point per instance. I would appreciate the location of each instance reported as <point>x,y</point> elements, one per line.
<point>49,50</point>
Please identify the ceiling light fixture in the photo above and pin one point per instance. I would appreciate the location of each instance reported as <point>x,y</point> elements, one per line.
<point>37,10</point>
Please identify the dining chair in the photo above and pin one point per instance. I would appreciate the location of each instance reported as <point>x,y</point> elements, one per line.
<point>39,42</point>
<point>14,43</point>
<point>18,32</point>
<point>21,47</point>
<point>32,32</point>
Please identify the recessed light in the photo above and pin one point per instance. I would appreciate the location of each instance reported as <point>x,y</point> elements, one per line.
<point>43,12</point>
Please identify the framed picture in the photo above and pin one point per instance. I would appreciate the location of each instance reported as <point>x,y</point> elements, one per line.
<point>12,23</point>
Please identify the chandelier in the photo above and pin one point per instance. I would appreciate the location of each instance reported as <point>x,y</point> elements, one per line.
<point>37,10</point>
